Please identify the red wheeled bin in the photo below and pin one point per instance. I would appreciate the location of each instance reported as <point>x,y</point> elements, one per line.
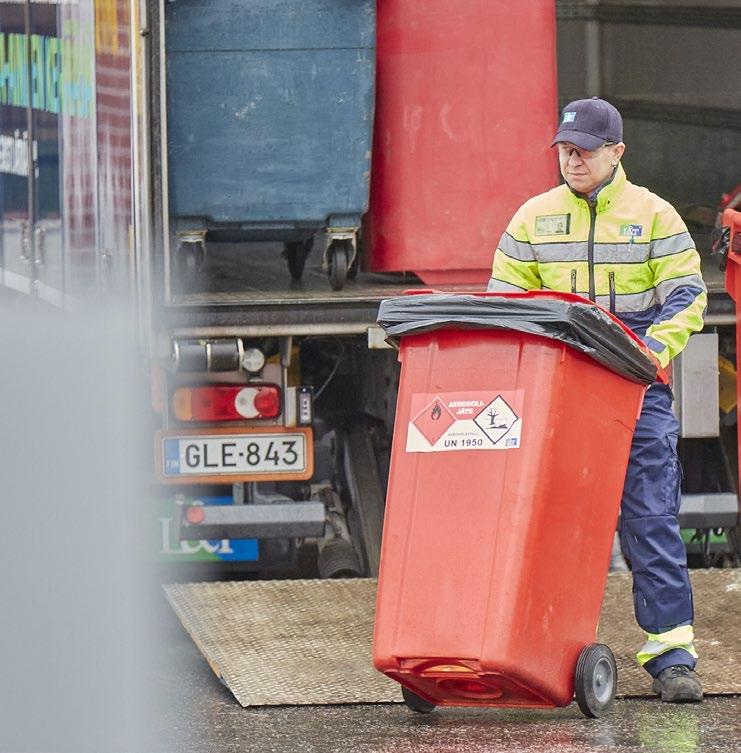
<point>466,93</point>
<point>731,247</point>
<point>514,422</point>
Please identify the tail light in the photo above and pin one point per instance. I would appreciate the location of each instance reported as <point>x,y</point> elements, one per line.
<point>194,514</point>
<point>226,402</point>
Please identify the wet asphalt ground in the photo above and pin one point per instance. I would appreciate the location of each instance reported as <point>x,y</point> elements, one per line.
<point>201,716</point>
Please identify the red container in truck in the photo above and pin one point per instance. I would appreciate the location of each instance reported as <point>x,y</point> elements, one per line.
<point>507,468</point>
<point>466,107</point>
<point>730,244</point>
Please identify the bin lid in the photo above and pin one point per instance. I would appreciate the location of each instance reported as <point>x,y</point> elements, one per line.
<point>569,318</point>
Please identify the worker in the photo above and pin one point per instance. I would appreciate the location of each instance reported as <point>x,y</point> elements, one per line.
<point>628,250</point>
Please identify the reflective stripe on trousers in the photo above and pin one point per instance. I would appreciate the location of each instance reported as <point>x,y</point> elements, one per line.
<point>649,533</point>
<point>659,643</point>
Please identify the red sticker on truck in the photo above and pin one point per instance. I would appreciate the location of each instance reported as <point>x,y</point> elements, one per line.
<point>455,421</point>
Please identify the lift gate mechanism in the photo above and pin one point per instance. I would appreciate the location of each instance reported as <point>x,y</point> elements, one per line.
<point>309,641</point>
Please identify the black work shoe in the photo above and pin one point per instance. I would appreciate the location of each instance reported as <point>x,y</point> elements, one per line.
<point>678,684</point>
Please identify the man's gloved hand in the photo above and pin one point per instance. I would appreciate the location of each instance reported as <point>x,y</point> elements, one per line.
<point>663,373</point>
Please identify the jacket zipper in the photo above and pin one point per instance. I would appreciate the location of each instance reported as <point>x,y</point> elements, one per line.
<point>590,247</point>
<point>611,278</point>
<point>573,281</point>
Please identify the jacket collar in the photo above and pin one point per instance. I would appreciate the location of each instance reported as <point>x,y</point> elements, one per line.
<point>607,192</point>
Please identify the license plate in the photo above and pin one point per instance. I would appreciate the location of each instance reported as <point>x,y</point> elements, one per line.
<point>225,456</point>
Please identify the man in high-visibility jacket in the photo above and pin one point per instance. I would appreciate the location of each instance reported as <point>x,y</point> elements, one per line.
<point>602,237</point>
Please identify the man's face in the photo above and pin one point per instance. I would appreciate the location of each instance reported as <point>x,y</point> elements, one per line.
<point>584,170</point>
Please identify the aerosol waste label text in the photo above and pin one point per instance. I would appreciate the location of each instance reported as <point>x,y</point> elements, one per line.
<point>455,421</point>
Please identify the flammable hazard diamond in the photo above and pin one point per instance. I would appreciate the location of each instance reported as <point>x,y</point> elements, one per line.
<point>434,420</point>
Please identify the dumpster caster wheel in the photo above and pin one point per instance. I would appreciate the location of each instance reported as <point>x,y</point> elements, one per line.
<point>352,271</point>
<point>296,253</point>
<point>337,259</point>
<point>416,703</point>
<point>596,680</point>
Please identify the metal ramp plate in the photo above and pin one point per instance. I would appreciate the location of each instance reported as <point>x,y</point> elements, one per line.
<point>309,641</point>
<point>287,641</point>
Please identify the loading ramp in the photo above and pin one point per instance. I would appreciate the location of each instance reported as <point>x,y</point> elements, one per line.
<point>298,642</point>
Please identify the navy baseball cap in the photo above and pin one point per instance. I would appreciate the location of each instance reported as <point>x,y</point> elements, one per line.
<point>589,123</point>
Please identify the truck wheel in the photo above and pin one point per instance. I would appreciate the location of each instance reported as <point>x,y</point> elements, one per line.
<point>337,258</point>
<point>595,681</point>
<point>415,702</point>
<point>296,253</point>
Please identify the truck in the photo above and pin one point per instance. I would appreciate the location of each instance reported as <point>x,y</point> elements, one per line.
<point>142,145</point>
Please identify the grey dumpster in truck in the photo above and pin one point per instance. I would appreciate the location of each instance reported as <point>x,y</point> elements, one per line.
<point>269,122</point>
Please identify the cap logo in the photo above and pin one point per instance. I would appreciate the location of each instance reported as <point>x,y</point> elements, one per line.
<point>569,117</point>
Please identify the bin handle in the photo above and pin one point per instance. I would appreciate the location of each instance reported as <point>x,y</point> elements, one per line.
<point>661,374</point>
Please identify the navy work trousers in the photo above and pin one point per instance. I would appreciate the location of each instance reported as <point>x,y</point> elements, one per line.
<point>649,529</point>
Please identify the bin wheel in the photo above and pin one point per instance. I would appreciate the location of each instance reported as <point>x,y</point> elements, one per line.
<point>337,259</point>
<point>595,680</point>
<point>296,253</point>
<point>415,702</point>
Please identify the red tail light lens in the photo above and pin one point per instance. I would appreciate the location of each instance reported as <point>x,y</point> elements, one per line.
<point>194,514</point>
<point>213,404</point>
<point>267,402</point>
<point>226,402</point>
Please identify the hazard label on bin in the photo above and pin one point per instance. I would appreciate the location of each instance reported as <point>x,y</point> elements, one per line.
<point>454,421</point>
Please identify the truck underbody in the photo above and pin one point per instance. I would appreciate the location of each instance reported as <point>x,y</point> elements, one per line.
<point>241,293</point>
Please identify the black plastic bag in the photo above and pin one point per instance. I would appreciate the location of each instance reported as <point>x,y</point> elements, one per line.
<point>574,321</point>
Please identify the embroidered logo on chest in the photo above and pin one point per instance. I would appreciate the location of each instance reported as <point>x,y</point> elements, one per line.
<point>631,231</point>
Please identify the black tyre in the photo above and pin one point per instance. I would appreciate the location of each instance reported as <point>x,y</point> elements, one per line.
<point>352,271</point>
<point>296,253</point>
<point>416,703</point>
<point>595,681</point>
<point>338,257</point>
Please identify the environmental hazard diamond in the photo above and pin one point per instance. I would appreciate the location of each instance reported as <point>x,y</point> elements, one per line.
<point>496,419</point>
<point>434,420</point>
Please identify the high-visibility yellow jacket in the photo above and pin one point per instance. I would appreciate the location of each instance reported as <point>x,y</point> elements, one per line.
<point>627,249</point>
